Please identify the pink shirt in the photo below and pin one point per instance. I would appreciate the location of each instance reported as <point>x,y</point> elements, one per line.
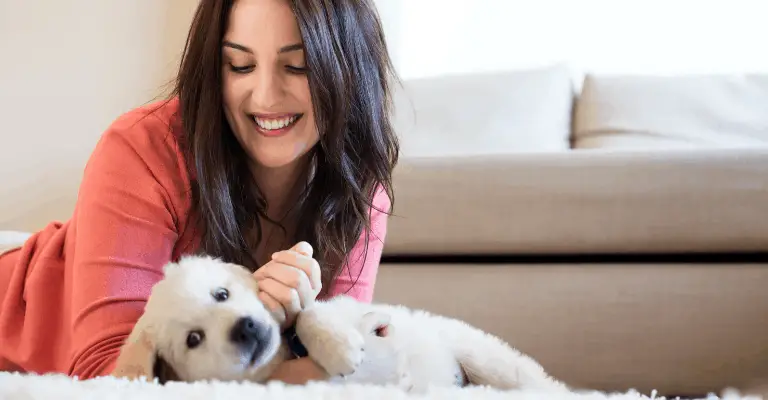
<point>71,295</point>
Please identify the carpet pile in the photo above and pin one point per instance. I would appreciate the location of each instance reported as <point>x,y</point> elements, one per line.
<point>14,386</point>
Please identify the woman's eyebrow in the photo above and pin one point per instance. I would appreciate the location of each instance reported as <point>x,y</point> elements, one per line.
<point>291,47</point>
<point>236,46</point>
<point>284,49</point>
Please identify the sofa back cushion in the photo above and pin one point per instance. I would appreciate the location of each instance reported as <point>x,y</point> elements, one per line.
<point>485,113</point>
<point>663,112</point>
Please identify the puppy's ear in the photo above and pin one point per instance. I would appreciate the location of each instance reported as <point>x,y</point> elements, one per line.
<point>137,357</point>
<point>376,323</point>
<point>163,371</point>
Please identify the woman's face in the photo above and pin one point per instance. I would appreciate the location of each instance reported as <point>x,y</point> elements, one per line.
<point>265,87</point>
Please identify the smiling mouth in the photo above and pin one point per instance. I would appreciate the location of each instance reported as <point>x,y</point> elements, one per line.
<point>275,126</point>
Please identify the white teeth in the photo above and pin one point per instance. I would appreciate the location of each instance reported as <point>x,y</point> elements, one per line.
<point>272,124</point>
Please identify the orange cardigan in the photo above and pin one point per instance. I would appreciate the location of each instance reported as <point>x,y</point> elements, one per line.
<point>71,295</point>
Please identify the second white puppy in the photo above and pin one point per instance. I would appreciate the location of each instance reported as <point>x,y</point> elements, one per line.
<point>204,321</point>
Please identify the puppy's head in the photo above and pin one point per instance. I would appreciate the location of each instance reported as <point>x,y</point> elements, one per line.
<point>203,321</point>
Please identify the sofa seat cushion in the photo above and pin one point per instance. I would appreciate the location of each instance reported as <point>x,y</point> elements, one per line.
<point>583,202</point>
<point>679,329</point>
<point>692,111</point>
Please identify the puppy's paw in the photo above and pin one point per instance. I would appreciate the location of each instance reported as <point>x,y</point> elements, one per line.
<point>338,348</point>
<point>343,354</point>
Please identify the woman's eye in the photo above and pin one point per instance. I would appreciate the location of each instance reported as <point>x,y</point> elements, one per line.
<point>194,339</point>
<point>296,70</point>
<point>240,70</point>
<point>220,294</point>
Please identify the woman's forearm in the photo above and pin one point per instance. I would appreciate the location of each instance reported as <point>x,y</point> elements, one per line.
<point>298,372</point>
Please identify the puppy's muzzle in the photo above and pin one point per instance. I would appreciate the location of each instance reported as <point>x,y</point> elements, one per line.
<point>250,336</point>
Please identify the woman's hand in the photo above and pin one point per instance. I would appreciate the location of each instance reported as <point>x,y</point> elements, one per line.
<point>289,282</point>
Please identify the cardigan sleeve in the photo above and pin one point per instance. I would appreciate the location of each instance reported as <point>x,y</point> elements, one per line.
<point>358,277</point>
<point>125,233</point>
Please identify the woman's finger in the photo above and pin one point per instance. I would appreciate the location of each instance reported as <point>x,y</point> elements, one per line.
<point>274,306</point>
<point>305,263</point>
<point>288,297</point>
<point>303,248</point>
<point>285,273</point>
<point>290,277</point>
<point>259,273</point>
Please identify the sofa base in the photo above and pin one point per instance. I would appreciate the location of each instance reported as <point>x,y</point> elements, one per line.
<point>678,328</point>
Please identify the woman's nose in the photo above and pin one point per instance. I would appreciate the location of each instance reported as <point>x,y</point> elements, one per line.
<point>268,89</point>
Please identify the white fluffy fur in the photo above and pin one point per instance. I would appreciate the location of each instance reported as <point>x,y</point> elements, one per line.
<point>60,387</point>
<point>420,350</point>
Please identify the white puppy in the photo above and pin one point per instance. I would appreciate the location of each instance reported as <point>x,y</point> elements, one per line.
<point>204,321</point>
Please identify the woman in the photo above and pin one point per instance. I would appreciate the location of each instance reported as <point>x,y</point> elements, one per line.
<point>276,137</point>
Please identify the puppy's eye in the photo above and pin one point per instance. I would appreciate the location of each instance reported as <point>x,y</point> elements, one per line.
<point>220,294</point>
<point>194,339</point>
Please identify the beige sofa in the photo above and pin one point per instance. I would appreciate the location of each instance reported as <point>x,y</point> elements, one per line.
<point>615,229</point>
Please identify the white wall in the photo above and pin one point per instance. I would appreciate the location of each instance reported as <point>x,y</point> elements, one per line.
<point>68,68</point>
<point>434,37</point>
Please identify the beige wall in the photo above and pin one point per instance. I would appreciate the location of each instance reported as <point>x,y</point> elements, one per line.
<point>68,69</point>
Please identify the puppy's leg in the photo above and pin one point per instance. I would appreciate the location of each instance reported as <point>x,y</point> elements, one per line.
<point>488,360</point>
<point>331,335</point>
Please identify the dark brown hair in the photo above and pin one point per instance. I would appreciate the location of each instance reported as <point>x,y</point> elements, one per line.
<point>350,75</point>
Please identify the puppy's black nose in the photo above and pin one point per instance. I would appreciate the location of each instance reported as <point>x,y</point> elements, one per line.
<point>248,333</point>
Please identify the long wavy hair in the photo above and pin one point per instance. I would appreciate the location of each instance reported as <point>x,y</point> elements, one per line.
<point>350,76</point>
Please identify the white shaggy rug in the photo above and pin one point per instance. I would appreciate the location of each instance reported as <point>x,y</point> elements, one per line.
<point>33,387</point>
